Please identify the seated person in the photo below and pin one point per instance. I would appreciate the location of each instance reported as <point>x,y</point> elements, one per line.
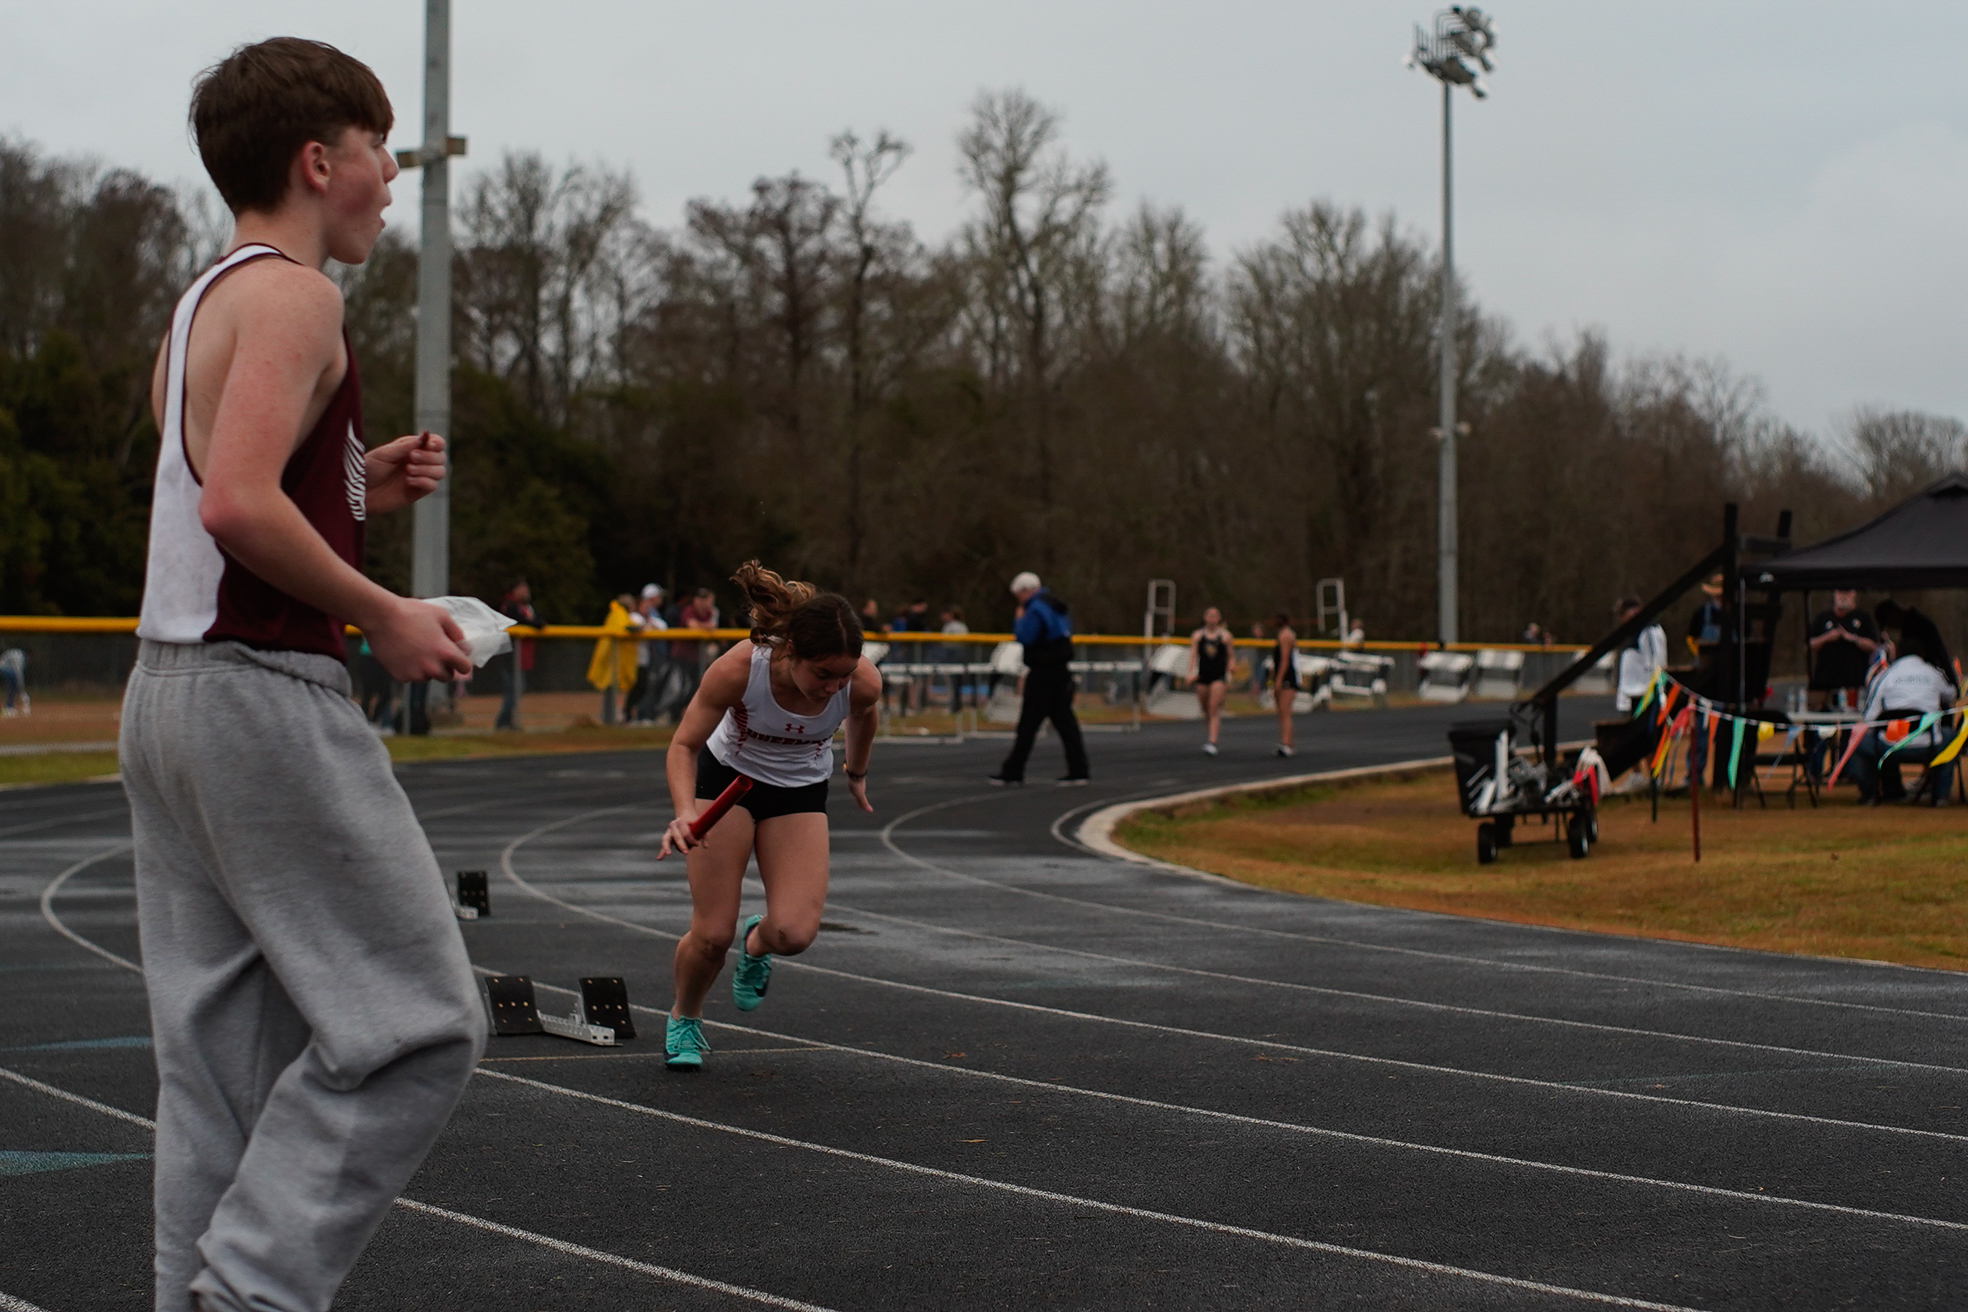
<point>1911,686</point>
<point>1843,640</point>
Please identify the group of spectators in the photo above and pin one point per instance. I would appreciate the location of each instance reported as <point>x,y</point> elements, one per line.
<point>912,618</point>
<point>642,679</point>
<point>1890,669</point>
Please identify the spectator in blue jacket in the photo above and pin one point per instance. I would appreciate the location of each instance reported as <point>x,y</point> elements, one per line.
<point>1046,633</point>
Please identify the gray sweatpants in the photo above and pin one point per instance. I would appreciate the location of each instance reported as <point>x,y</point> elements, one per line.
<point>313,1011</point>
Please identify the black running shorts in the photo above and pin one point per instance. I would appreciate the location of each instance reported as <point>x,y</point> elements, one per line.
<point>764,801</point>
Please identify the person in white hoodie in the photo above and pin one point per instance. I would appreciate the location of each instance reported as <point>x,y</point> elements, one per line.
<point>1913,685</point>
<point>1639,662</point>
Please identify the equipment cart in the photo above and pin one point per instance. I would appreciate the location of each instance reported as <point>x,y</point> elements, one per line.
<point>1499,784</point>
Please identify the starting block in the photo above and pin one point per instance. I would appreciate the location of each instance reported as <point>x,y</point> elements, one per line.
<point>600,1016</point>
<point>474,895</point>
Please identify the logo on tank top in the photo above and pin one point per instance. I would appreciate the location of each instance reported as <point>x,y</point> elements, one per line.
<point>355,476</point>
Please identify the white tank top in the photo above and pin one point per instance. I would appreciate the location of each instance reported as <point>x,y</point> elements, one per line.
<point>181,580</point>
<point>760,738</point>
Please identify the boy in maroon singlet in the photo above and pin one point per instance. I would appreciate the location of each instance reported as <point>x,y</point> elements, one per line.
<point>313,1011</point>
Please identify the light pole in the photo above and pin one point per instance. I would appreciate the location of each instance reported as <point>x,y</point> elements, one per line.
<point>430,551</point>
<point>1462,33</point>
<point>430,538</point>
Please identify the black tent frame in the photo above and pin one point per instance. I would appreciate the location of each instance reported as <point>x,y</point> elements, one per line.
<point>1739,619</point>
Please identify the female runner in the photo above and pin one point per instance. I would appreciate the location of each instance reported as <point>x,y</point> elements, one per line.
<point>1284,679</point>
<point>766,709</point>
<point>1209,670</point>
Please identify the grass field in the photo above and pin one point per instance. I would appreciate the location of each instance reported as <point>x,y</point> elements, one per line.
<point>1889,884</point>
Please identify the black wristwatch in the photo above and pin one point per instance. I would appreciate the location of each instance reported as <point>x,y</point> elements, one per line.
<point>850,774</point>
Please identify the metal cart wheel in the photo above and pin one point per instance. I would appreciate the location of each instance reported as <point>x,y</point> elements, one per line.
<point>1578,834</point>
<point>1486,843</point>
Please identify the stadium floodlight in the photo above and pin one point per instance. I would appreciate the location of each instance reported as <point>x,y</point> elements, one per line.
<point>1463,33</point>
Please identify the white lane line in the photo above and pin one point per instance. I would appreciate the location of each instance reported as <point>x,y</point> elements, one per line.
<point>1079,839</point>
<point>1465,1154</point>
<point>1072,1200</point>
<point>462,1218</point>
<point>506,865</point>
<point>888,830</point>
<point>49,893</point>
<point>610,1259</point>
<point>64,820</point>
<point>8,1303</point>
<point>54,921</point>
<point>1324,991</point>
<point>1290,1127</point>
<point>76,1098</point>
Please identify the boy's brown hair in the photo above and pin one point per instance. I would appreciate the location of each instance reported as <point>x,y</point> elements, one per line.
<point>253,112</point>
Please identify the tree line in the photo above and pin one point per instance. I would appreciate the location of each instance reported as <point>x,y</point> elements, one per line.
<point>797,375</point>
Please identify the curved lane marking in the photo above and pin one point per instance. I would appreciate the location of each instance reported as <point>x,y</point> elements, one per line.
<point>506,865</point>
<point>55,922</point>
<point>1114,1209</point>
<point>1635,1031</point>
<point>775,1300</point>
<point>461,1218</point>
<point>65,820</point>
<point>1320,1132</point>
<point>606,1258</point>
<point>1136,858</point>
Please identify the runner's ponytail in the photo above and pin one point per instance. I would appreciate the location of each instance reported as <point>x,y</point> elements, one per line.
<point>797,617</point>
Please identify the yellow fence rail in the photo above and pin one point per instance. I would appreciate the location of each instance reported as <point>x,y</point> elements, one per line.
<point>115,624</point>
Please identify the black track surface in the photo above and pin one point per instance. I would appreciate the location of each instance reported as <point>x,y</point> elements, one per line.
<point>1012,1073</point>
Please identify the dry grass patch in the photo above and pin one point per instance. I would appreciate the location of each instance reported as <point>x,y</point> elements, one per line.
<point>56,768</point>
<point>1888,885</point>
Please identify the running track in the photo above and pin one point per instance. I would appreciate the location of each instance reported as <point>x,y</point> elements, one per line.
<point>1013,1074</point>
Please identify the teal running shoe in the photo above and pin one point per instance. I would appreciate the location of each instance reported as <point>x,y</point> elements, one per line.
<point>684,1044</point>
<point>753,974</point>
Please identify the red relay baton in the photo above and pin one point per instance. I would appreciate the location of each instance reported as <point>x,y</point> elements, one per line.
<point>713,813</point>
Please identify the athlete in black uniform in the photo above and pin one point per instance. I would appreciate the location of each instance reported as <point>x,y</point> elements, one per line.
<point>1209,670</point>
<point>1284,679</point>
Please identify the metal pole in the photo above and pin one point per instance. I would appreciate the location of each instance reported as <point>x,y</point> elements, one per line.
<point>430,569</point>
<point>1445,530</point>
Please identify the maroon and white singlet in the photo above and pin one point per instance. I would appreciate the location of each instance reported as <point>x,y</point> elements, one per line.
<point>761,738</point>
<point>195,592</point>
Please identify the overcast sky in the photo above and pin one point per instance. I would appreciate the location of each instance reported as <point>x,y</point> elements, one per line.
<point>1780,185</point>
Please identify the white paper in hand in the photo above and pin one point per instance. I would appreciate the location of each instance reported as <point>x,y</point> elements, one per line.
<point>485,628</point>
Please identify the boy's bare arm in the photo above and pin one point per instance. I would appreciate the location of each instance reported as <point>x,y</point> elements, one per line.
<point>287,335</point>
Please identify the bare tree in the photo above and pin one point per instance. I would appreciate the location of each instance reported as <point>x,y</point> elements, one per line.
<point>1898,452</point>
<point>1032,248</point>
<point>783,260</point>
<point>540,282</point>
<point>865,168</point>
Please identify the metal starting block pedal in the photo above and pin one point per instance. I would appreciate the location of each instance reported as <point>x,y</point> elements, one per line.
<point>474,895</point>
<point>600,1016</point>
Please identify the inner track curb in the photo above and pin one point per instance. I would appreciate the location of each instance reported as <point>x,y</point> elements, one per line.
<point>1096,832</point>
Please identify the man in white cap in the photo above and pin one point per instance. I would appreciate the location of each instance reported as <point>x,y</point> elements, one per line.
<point>1047,636</point>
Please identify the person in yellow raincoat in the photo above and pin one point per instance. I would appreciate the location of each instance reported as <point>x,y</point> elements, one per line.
<point>612,671</point>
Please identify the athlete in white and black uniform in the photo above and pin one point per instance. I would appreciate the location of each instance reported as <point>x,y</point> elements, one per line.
<point>767,709</point>
<point>1209,670</point>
